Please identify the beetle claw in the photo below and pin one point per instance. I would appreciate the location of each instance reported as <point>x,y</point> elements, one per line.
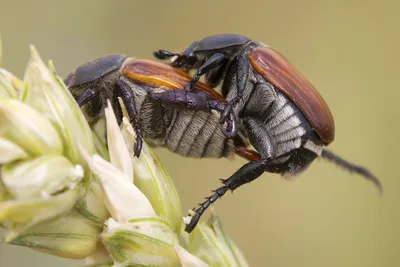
<point>193,222</point>
<point>231,129</point>
<point>227,111</point>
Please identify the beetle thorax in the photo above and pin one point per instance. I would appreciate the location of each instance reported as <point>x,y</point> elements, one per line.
<point>106,85</point>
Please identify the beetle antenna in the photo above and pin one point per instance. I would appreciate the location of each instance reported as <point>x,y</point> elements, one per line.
<point>352,168</point>
<point>164,54</point>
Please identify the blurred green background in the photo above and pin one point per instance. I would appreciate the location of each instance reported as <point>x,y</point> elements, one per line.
<point>348,49</point>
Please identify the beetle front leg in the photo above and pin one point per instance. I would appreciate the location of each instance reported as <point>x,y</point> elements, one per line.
<point>196,101</point>
<point>86,96</point>
<point>242,75</point>
<point>214,61</point>
<point>247,173</point>
<point>125,92</point>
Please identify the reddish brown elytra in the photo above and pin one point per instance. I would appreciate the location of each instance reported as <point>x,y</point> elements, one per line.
<point>280,72</point>
<point>160,75</point>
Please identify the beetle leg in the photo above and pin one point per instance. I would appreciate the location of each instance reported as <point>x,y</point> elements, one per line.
<point>196,101</point>
<point>214,61</point>
<point>246,153</point>
<point>242,75</point>
<point>259,137</point>
<point>245,174</point>
<point>125,92</point>
<point>242,150</point>
<point>86,96</point>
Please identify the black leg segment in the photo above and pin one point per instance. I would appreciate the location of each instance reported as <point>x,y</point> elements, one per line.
<point>125,92</point>
<point>242,75</point>
<point>245,174</point>
<point>214,61</point>
<point>196,101</point>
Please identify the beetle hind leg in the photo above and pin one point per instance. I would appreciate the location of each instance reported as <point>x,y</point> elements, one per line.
<point>125,92</point>
<point>247,173</point>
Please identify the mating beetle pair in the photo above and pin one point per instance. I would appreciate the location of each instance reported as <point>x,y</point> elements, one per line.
<point>265,101</point>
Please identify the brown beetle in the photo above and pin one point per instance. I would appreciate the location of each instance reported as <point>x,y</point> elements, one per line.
<point>280,112</point>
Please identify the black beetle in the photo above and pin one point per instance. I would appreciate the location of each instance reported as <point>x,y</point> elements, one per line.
<point>157,106</point>
<point>279,111</point>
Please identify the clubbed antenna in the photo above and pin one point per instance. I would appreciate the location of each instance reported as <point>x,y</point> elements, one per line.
<point>352,168</point>
<point>164,54</point>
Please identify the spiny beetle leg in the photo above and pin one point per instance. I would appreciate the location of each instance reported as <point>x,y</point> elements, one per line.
<point>231,129</point>
<point>247,173</point>
<point>126,93</point>
<point>214,61</point>
<point>196,101</point>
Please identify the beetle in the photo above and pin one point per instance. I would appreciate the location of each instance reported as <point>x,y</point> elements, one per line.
<point>280,112</point>
<point>157,106</point>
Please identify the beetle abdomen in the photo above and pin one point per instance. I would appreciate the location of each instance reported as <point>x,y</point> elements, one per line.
<point>186,132</point>
<point>197,134</point>
<point>286,126</point>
